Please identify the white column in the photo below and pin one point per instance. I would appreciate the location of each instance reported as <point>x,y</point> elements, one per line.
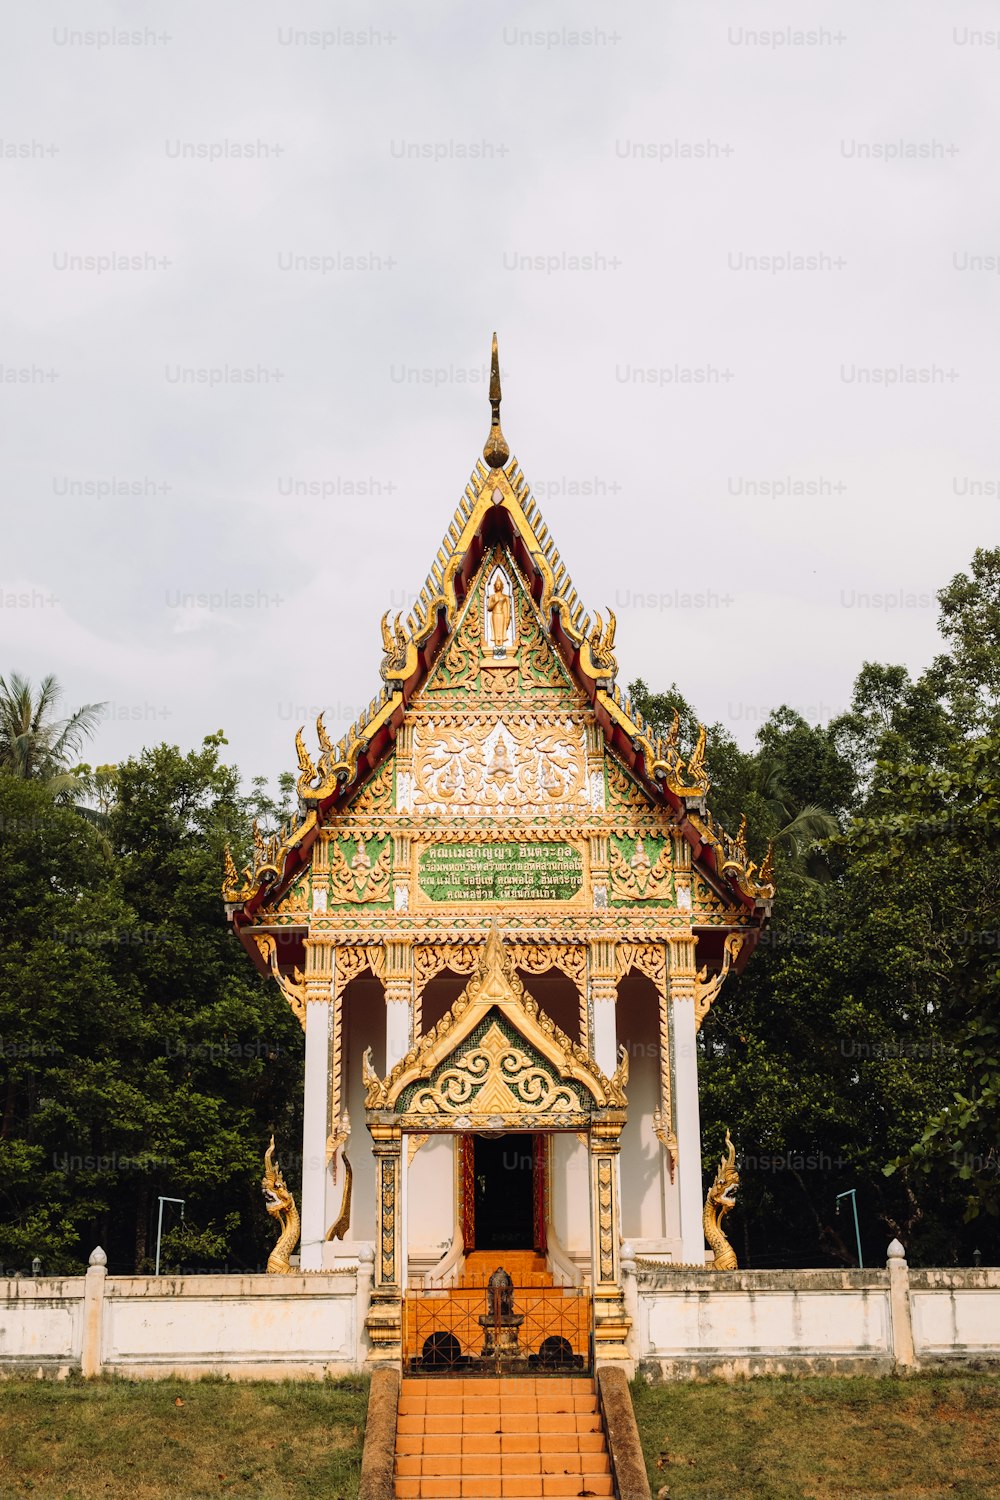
<point>900,1315</point>
<point>93,1314</point>
<point>315,1105</point>
<point>605,1026</point>
<point>688,1117</point>
<point>397,1032</point>
<point>603,982</point>
<point>398,1001</point>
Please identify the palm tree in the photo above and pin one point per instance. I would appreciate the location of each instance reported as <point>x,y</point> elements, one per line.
<point>36,746</point>
<point>797,831</point>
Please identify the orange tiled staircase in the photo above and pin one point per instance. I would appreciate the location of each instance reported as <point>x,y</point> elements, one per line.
<point>482,1438</point>
<point>525,1267</point>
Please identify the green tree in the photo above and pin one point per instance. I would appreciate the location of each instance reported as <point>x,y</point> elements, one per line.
<point>967,675</point>
<point>891,718</point>
<point>142,1054</point>
<point>63,1006</point>
<point>933,848</point>
<point>216,1063</point>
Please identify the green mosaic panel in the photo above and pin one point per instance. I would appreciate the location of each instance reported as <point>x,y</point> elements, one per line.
<point>642,863</point>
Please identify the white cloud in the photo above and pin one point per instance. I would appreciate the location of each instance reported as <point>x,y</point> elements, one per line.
<point>193,403</point>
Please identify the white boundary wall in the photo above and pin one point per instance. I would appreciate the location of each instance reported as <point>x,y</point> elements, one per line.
<point>248,1327</point>
<point>690,1324</point>
<point>685,1323</point>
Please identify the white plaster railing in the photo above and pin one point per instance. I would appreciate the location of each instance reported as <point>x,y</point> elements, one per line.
<point>694,1323</point>
<point>685,1322</point>
<point>297,1326</point>
<point>955,1315</point>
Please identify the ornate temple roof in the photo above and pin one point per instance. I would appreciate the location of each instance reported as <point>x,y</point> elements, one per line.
<point>497,507</point>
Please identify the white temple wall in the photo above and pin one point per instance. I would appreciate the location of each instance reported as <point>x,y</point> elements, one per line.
<point>41,1323</point>
<point>709,1324</point>
<point>363,1025</point>
<point>569,1196</point>
<point>686,1331</point>
<point>432,1196</point>
<point>644,1174</point>
<point>955,1315</point>
<point>686,1324</point>
<point>245,1327</point>
<point>186,1325</point>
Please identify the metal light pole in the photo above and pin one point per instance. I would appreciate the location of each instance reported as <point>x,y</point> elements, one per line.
<point>159,1226</point>
<point>852,1193</point>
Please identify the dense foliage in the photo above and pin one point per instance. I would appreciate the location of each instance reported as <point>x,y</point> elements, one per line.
<point>859,1048</point>
<point>140,1053</point>
<point>141,1056</point>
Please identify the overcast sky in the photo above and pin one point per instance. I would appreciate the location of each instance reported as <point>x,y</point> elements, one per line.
<point>611,187</point>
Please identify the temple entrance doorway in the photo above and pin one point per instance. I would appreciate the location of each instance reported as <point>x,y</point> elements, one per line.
<point>503,1191</point>
<point>504,1168</point>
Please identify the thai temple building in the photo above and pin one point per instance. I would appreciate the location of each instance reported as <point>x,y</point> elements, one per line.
<point>501,917</point>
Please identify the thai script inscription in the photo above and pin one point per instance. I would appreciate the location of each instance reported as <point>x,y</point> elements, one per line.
<point>500,872</point>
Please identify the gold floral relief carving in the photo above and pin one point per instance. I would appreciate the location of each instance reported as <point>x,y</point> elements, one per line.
<point>360,878</point>
<point>649,958</point>
<point>605,1218</point>
<point>413,1145</point>
<point>430,959</point>
<point>376,796</point>
<point>531,958</point>
<point>622,790</point>
<point>460,662</point>
<point>296,900</point>
<point>500,682</point>
<point>497,1077</point>
<point>516,764</point>
<point>706,901</point>
<point>639,878</point>
<point>536,958</point>
<point>539,664</point>
<point>351,962</point>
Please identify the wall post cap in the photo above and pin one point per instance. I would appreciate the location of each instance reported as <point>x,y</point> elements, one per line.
<point>895,1251</point>
<point>98,1257</point>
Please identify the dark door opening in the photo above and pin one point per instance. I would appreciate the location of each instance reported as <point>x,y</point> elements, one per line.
<point>504,1168</point>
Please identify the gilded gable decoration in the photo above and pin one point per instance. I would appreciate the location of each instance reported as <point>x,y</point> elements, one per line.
<point>357,874</point>
<point>510,765</point>
<point>498,609</point>
<point>292,986</point>
<point>496,1059</point>
<point>635,874</point>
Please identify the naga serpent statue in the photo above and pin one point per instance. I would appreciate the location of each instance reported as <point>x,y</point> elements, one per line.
<point>281,1206</point>
<point>339,1228</point>
<point>719,1201</point>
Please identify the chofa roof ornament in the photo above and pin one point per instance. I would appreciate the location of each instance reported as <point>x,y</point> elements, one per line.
<point>496,452</point>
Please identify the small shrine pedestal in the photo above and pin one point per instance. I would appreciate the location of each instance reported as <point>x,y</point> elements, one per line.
<point>500,1323</point>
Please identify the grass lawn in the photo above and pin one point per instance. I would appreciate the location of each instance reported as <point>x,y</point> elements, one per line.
<point>924,1438</point>
<point>180,1440</point>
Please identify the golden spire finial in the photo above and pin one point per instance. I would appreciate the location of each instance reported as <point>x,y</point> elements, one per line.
<point>496,452</point>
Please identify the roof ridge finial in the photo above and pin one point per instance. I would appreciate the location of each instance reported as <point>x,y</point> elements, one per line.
<point>496,452</point>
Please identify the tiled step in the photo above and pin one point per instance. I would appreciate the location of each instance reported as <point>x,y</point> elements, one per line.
<point>526,1268</point>
<point>520,1437</point>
